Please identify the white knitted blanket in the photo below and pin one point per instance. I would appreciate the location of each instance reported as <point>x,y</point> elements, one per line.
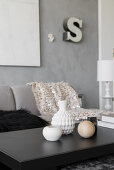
<point>47,96</point>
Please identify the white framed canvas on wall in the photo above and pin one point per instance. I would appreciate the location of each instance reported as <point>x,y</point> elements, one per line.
<point>19,33</point>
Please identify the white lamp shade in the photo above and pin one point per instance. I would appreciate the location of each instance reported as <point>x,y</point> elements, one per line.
<point>105,70</point>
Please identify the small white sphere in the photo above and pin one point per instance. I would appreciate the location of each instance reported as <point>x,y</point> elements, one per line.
<point>52,133</point>
<point>86,129</point>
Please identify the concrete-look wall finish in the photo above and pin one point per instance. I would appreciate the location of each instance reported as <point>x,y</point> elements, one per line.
<point>75,63</point>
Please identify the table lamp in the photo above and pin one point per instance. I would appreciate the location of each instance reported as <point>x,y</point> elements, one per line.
<point>105,73</point>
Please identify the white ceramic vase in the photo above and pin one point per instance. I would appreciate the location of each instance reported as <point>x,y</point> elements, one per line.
<point>64,119</point>
<point>52,133</point>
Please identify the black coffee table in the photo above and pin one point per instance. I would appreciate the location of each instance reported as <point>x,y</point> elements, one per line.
<point>28,150</point>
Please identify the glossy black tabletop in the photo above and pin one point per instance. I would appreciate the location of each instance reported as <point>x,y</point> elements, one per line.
<point>29,145</point>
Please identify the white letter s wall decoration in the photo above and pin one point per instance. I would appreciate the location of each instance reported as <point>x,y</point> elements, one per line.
<point>72,27</point>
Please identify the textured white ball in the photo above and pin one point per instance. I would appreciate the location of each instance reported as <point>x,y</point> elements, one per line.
<point>52,133</point>
<point>86,129</point>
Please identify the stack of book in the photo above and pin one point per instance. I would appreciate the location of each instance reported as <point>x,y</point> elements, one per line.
<point>107,121</point>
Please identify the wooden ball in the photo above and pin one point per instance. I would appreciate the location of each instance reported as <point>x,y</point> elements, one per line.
<point>86,129</point>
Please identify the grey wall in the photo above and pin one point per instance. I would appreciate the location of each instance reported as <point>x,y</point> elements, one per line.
<point>71,62</point>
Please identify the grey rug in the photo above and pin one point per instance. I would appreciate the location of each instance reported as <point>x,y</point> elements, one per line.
<point>102,163</point>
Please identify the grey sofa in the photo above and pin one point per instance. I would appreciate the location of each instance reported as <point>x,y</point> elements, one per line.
<point>17,97</point>
<point>21,97</point>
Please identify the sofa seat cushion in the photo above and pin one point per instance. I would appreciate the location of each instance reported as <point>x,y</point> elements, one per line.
<point>19,120</point>
<point>24,99</point>
<point>7,101</point>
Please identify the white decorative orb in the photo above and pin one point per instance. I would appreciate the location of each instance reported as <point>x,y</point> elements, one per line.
<point>51,37</point>
<point>63,119</point>
<point>52,133</point>
<point>86,129</point>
